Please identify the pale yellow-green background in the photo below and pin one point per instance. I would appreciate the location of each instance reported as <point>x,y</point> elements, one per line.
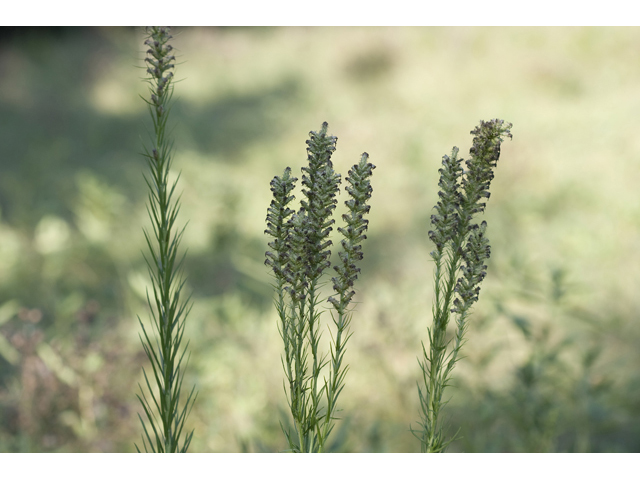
<point>564,224</point>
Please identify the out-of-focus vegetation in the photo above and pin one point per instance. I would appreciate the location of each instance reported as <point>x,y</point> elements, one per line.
<point>552,355</point>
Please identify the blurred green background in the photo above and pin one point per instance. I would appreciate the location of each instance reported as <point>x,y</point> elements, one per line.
<point>552,359</point>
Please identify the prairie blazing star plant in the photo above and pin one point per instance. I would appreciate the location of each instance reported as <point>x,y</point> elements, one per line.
<point>298,256</point>
<point>165,417</point>
<point>461,250</point>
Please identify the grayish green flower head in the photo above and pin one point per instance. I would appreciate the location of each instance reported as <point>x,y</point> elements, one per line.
<point>298,257</point>
<point>461,246</point>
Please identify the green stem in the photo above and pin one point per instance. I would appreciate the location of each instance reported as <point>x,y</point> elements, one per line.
<point>337,374</point>
<point>167,310</point>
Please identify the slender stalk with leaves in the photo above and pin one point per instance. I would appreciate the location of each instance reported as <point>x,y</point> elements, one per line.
<point>165,417</point>
<point>461,246</point>
<point>299,253</point>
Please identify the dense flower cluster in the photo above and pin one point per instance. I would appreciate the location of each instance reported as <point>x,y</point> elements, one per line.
<point>460,198</point>
<point>485,153</point>
<point>300,249</point>
<point>298,257</point>
<point>461,246</point>
<point>360,192</point>
<point>476,181</point>
<point>159,61</point>
<point>445,220</point>
<point>321,184</point>
<point>474,270</point>
<point>278,215</point>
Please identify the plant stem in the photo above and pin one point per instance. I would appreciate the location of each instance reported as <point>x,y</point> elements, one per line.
<point>299,254</point>
<point>462,245</point>
<point>168,310</point>
<point>360,191</point>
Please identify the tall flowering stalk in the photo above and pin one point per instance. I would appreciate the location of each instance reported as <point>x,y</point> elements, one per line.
<point>461,246</point>
<point>165,417</point>
<point>298,257</point>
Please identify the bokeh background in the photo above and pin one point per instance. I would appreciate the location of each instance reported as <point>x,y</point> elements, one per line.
<point>552,359</point>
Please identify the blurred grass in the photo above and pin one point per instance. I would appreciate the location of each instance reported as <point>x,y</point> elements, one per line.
<point>552,358</point>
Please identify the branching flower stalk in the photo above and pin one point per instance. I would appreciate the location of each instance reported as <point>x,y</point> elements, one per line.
<point>461,246</point>
<point>298,257</point>
<point>165,416</point>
